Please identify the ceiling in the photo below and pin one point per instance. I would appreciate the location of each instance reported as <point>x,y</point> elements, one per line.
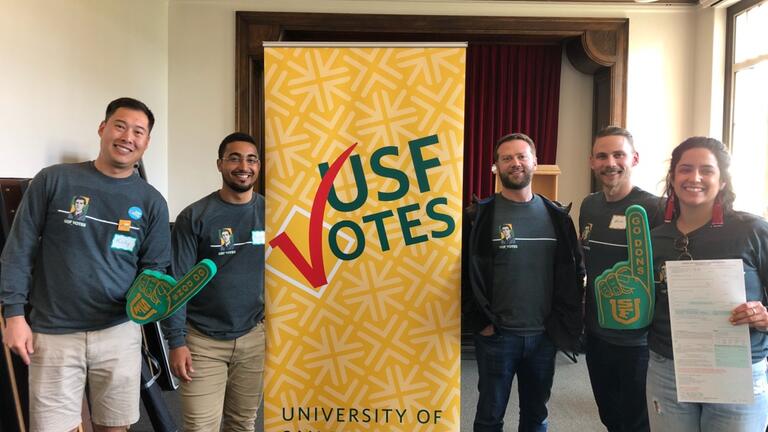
<point>658,2</point>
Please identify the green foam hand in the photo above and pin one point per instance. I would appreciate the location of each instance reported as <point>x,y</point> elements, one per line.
<point>154,296</point>
<point>625,292</point>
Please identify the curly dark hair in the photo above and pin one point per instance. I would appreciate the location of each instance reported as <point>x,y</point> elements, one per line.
<point>727,195</point>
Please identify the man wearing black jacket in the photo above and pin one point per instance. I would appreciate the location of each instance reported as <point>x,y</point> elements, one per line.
<point>524,296</point>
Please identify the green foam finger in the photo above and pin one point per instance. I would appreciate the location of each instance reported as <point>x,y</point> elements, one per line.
<point>624,293</point>
<point>639,244</point>
<point>601,288</point>
<point>154,296</point>
<point>147,297</point>
<point>192,282</point>
<point>613,285</point>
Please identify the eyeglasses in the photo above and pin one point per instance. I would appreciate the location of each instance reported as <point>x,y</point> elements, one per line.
<point>681,245</point>
<point>237,159</point>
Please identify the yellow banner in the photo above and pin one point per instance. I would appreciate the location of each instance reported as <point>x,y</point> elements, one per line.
<point>363,172</point>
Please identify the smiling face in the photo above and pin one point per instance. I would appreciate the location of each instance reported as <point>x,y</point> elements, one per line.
<point>515,164</point>
<point>696,178</point>
<point>239,166</point>
<point>124,138</point>
<point>612,161</point>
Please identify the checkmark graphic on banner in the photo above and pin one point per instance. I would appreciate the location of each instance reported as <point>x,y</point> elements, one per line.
<point>154,296</point>
<point>314,270</point>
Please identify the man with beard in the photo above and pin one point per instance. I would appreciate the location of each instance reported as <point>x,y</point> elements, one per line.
<point>617,360</point>
<point>525,302</point>
<point>217,341</point>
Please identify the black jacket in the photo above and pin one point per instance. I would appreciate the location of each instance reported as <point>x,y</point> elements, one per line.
<point>564,324</point>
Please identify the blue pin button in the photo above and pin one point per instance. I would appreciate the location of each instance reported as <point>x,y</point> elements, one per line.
<point>135,213</point>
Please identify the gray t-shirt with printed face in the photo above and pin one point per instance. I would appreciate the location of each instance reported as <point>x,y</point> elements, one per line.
<point>232,236</point>
<point>79,240</point>
<point>524,246</point>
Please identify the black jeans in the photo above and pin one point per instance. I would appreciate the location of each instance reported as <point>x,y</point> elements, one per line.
<point>617,374</point>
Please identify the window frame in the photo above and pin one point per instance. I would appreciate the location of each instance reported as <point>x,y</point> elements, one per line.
<point>730,68</point>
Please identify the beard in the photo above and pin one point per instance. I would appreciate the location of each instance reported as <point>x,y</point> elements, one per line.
<point>508,182</point>
<point>238,187</point>
<point>616,181</point>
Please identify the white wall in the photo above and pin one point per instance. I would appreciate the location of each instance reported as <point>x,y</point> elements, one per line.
<point>61,62</point>
<point>709,61</point>
<point>201,95</point>
<point>660,92</point>
<point>661,88</point>
<point>676,79</point>
<point>574,138</point>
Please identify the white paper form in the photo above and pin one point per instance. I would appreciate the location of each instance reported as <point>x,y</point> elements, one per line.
<point>713,361</point>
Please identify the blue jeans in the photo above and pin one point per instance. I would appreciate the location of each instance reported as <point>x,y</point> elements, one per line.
<point>667,414</point>
<point>501,356</point>
<point>617,375</point>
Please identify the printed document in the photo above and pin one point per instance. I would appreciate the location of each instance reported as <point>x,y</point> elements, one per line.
<point>712,357</point>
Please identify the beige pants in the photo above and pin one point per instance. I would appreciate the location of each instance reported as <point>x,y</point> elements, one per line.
<point>226,386</point>
<point>109,359</point>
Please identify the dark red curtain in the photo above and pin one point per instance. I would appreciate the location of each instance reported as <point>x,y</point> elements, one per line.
<point>510,88</point>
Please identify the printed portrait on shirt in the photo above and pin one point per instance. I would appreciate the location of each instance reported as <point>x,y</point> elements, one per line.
<point>226,239</point>
<point>506,235</point>
<point>585,233</point>
<point>78,208</point>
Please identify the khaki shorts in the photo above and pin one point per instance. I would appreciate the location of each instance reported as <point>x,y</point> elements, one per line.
<point>109,359</point>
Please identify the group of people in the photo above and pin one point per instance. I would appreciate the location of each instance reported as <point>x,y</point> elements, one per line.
<point>525,301</point>
<point>78,331</point>
<point>524,296</point>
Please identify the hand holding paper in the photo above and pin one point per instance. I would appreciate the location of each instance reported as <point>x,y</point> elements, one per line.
<point>753,313</point>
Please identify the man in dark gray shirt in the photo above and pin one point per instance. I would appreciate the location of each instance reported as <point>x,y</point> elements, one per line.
<point>526,286</point>
<point>617,360</point>
<point>217,340</point>
<point>78,329</point>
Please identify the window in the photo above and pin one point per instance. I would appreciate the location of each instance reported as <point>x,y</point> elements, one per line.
<point>747,92</point>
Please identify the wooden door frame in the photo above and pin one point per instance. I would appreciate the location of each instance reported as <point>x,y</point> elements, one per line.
<point>595,46</point>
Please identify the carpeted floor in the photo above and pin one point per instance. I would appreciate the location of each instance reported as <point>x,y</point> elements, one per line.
<point>572,407</point>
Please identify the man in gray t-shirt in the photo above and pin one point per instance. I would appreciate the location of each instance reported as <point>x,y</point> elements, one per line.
<point>617,360</point>
<point>82,234</point>
<point>525,278</point>
<point>217,339</point>
<point>523,258</point>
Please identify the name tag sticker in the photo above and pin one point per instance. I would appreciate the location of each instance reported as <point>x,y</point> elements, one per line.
<point>257,237</point>
<point>618,222</point>
<point>123,242</point>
